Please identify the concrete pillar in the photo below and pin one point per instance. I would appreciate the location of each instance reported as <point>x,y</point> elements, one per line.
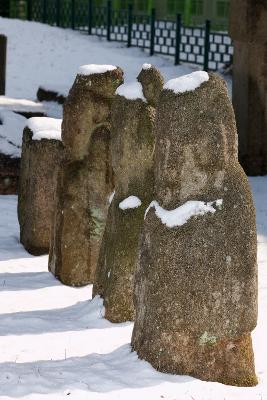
<point>3,45</point>
<point>248,29</point>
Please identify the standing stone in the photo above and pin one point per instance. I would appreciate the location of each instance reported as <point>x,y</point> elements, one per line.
<point>248,29</point>
<point>85,180</point>
<point>132,146</point>
<point>41,155</point>
<point>196,279</point>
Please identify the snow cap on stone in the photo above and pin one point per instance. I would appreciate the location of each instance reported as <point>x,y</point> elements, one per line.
<point>45,128</point>
<point>92,69</point>
<point>146,66</point>
<point>187,83</point>
<point>130,202</point>
<point>131,91</point>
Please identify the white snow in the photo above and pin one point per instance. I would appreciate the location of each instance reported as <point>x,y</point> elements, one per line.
<point>131,91</point>
<point>180,215</point>
<point>146,66</point>
<point>92,69</point>
<point>11,132</point>
<point>41,55</point>
<point>45,128</point>
<point>111,197</point>
<point>55,343</point>
<point>130,202</point>
<point>187,83</point>
<point>20,105</point>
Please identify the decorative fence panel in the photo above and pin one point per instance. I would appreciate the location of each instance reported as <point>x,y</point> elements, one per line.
<point>197,45</point>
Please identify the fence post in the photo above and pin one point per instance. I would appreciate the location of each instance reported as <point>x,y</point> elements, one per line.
<point>58,12</point>
<point>44,11</point>
<point>108,20</point>
<point>3,45</point>
<point>178,38</point>
<point>5,8</point>
<point>73,14</point>
<point>207,46</point>
<point>130,25</point>
<point>90,16</point>
<point>152,30</point>
<point>29,10</point>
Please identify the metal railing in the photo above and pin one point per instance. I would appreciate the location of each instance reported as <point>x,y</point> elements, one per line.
<point>197,45</point>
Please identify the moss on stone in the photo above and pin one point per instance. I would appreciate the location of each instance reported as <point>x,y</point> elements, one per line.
<point>85,179</point>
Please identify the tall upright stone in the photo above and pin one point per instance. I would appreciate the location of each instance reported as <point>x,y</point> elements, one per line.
<point>85,179</point>
<point>132,147</point>
<point>40,159</point>
<point>196,279</point>
<point>248,29</point>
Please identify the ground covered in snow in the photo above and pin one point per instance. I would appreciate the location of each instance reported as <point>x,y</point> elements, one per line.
<point>55,342</point>
<point>51,57</point>
<point>42,56</point>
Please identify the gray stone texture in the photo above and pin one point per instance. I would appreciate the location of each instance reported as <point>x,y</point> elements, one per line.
<point>196,284</point>
<point>248,29</point>
<point>85,179</point>
<point>132,147</point>
<point>40,161</point>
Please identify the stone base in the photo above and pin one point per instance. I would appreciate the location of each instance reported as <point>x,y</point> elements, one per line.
<point>228,361</point>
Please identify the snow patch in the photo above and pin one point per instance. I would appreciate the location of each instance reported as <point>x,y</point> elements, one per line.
<point>111,197</point>
<point>130,202</point>
<point>131,91</point>
<point>20,105</point>
<point>187,83</point>
<point>92,69</point>
<point>180,215</point>
<point>11,131</point>
<point>45,128</point>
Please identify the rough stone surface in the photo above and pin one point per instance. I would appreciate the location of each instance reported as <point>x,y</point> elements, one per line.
<point>132,160</point>
<point>250,82</point>
<point>152,83</point>
<point>196,284</point>
<point>85,179</point>
<point>40,161</point>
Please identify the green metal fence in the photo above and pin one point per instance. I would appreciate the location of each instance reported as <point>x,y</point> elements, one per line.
<point>193,44</point>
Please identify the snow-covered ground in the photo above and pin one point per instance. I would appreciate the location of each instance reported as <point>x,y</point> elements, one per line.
<point>54,341</point>
<point>42,55</point>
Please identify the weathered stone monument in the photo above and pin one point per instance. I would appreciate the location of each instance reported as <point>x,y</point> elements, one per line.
<point>85,179</point>
<point>248,29</point>
<point>196,279</point>
<point>41,154</point>
<point>132,145</point>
